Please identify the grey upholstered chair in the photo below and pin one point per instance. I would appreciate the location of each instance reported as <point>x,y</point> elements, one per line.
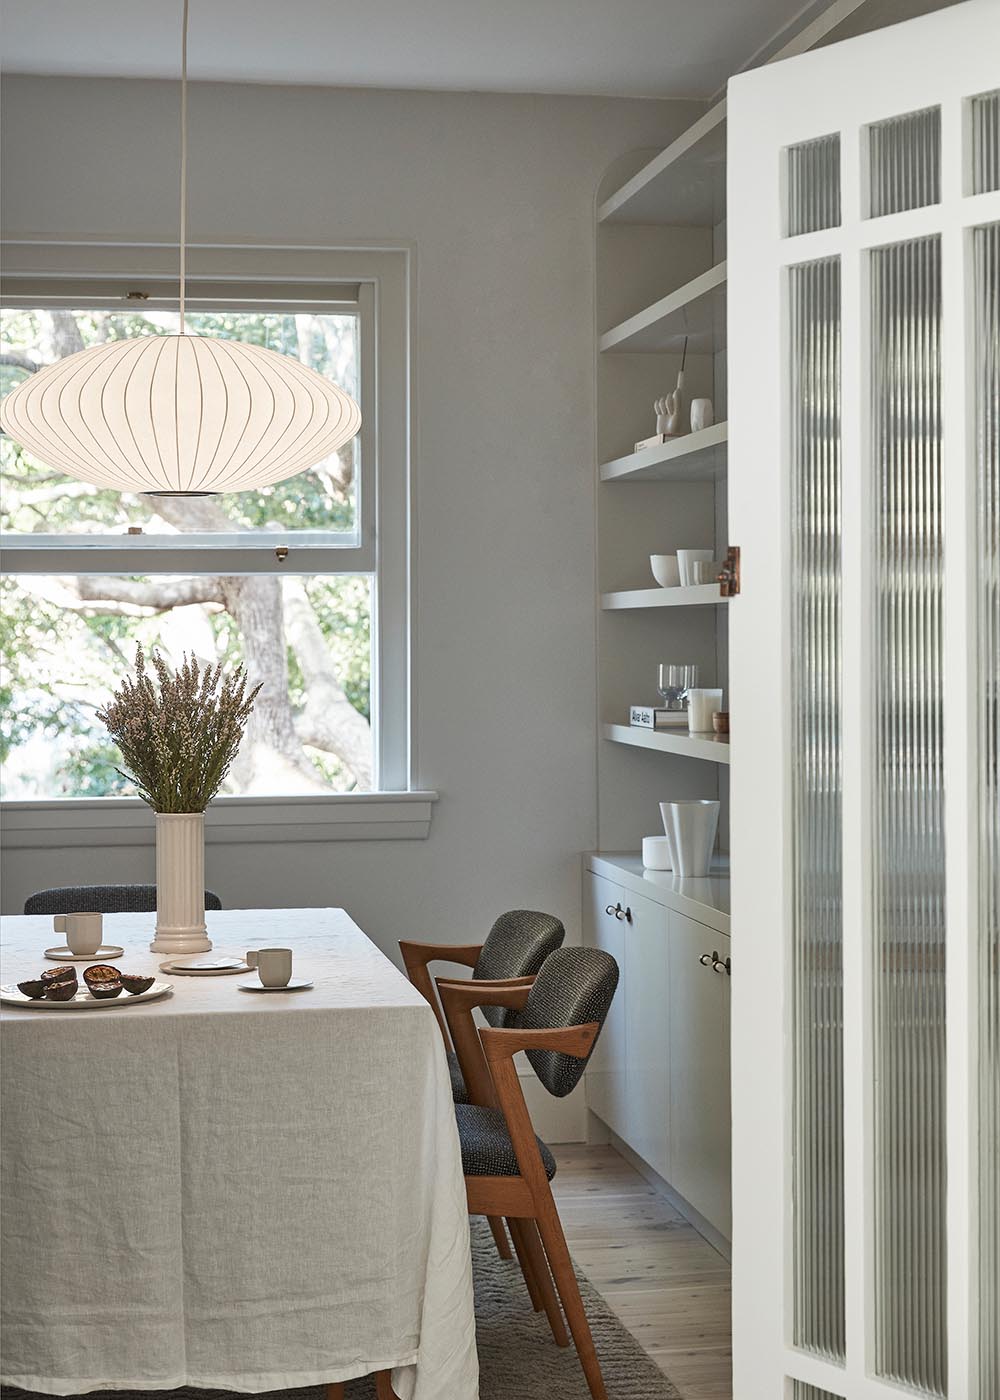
<point>515,947</point>
<point>507,1168</point>
<point>101,899</point>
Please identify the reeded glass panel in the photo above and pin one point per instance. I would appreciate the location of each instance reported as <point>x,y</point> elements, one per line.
<point>904,162</point>
<point>986,256</point>
<point>908,849</point>
<point>813,170</point>
<point>986,142</point>
<point>802,1391</point>
<point>818,1138</point>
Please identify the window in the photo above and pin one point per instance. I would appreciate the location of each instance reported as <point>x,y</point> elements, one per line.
<point>304,582</point>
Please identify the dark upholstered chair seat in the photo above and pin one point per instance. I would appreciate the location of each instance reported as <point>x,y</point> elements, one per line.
<point>458,1090</point>
<point>486,1146</point>
<point>101,899</point>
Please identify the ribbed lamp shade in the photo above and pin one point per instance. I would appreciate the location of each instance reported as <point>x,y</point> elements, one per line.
<point>179,414</point>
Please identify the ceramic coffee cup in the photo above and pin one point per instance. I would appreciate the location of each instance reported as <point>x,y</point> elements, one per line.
<point>702,705</point>
<point>274,965</point>
<point>84,932</point>
<point>686,558</point>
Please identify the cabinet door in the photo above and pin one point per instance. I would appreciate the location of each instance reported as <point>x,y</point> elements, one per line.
<point>648,1035</point>
<point>699,1058</point>
<point>606,1073</point>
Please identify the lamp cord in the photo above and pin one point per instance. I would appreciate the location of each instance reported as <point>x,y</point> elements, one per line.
<point>184,152</point>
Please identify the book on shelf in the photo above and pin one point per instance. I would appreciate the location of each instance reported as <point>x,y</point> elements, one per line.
<point>651,717</point>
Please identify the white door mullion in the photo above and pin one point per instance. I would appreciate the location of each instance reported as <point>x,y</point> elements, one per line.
<point>960,670</point>
<point>856,771</point>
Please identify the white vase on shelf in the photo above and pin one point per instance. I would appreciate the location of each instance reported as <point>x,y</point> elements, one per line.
<point>180,884</point>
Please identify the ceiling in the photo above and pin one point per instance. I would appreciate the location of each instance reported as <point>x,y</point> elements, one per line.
<point>635,48</point>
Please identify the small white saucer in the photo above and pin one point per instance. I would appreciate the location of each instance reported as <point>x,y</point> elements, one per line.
<point>294,986</point>
<point>109,950</point>
<point>207,966</point>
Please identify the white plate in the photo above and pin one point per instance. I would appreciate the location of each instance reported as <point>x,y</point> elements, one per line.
<point>294,986</point>
<point>83,1001</point>
<point>110,950</point>
<point>205,967</point>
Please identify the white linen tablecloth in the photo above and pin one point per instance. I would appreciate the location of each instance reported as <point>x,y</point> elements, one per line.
<point>229,1189</point>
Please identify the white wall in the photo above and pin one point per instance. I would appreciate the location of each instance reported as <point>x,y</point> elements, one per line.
<point>497,194</point>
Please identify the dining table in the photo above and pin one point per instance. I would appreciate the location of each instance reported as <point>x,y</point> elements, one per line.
<point>226,1188</point>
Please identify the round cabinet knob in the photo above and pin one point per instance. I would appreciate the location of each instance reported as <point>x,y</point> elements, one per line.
<point>705,959</point>
<point>613,909</point>
<point>623,914</point>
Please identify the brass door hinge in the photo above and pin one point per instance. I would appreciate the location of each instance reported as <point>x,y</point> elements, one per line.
<point>729,574</point>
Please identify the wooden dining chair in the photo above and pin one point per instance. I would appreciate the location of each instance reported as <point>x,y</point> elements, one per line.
<point>101,899</point>
<point>515,948</point>
<point>508,1169</point>
<point>383,1388</point>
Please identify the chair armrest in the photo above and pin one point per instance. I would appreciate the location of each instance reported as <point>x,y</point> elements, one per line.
<point>459,1000</point>
<point>466,996</point>
<point>577,1041</point>
<point>416,956</point>
<point>420,954</point>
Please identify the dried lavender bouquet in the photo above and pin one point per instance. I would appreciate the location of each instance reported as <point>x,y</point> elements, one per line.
<point>178,740</point>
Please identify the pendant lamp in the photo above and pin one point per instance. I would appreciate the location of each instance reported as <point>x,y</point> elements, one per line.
<point>179,415</point>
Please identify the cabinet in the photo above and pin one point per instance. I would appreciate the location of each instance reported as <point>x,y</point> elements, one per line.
<point>699,1070</point>
<point>606,1080</point>
<point>659,1077</point>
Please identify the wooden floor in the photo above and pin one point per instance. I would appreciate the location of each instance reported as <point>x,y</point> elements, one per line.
<point>666,1283</point>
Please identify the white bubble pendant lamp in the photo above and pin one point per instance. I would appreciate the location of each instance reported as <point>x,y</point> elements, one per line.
<point>179,414</point>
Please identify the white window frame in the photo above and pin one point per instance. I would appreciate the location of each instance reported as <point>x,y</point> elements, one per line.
<point>377,283</point>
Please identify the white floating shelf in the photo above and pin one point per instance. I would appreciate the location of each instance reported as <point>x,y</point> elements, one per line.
<point>696,310</point>
<point>700,595</point>
<point>713,747</point>
<point>695,457</point>
<point>685,184</point>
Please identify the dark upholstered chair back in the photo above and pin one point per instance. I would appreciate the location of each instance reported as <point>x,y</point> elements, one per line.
<point>517,945</point>
<point>101,899</point>
<point>576,986</point>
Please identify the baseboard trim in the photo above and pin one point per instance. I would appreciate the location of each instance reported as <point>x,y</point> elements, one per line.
<point>598,1131</point>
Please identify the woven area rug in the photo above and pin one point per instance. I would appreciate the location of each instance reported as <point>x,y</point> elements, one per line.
<point>518,1359</point>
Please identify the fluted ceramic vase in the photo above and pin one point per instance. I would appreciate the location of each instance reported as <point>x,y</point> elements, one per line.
<point>180,883</point>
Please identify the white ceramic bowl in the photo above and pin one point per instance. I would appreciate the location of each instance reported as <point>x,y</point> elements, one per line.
<point>656,854</point>
<point>665,569</point>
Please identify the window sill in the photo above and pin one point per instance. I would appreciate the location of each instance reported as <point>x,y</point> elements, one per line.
<point>125,821</point>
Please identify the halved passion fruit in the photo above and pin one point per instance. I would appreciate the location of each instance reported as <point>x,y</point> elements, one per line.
<point>35,989</point>
<point>62,991</point>
<point>103,980</point>
<point>58,974</point>
<point>134,983</point>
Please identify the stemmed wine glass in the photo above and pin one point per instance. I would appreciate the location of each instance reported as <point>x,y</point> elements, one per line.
<point>673,682</point>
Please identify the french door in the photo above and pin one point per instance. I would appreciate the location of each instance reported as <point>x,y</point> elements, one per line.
<point>864,316</point>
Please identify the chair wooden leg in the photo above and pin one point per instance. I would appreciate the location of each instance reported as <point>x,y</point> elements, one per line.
<point>335,1391</point>
<point>532,1246</point>
<point>550,1228</point>
<point>499,1236</point>
<point>516,1228</point>
<point>383,1386</point>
